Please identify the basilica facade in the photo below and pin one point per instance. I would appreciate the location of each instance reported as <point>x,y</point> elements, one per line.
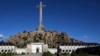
<point>38,47</point>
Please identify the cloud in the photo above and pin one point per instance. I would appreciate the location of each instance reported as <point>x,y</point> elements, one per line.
<point>1,35</point>
<point>86,36</point>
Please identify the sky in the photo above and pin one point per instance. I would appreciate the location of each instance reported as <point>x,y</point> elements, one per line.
<point>80,19</point>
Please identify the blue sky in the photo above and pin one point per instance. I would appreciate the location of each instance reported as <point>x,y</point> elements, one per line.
<point>80,19</point>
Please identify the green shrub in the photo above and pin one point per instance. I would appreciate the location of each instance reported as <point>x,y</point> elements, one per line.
<point>6,54</point>
<point>81,53</point>
<point>73,54</point>
<point>64,53</point>
<point>47,54</point>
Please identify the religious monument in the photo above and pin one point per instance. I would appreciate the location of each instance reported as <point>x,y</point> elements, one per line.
<point>40,41</point>
<point>40,27</point>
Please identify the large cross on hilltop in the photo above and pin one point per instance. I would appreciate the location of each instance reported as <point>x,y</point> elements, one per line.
<point>40,26</point>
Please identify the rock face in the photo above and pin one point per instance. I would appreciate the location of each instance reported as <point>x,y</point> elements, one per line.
<point>50,37</point>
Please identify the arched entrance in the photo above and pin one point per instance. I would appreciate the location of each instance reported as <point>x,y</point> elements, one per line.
<point>37,50</point>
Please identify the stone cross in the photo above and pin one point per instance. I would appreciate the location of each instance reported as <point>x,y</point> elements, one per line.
<point>41,7</point>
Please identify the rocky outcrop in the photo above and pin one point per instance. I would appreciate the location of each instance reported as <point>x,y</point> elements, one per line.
<point>52,38</point>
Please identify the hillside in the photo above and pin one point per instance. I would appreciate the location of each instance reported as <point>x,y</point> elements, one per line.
<point>50,37</point>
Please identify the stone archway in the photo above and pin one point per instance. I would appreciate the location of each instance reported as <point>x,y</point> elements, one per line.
<point>37,50</point>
